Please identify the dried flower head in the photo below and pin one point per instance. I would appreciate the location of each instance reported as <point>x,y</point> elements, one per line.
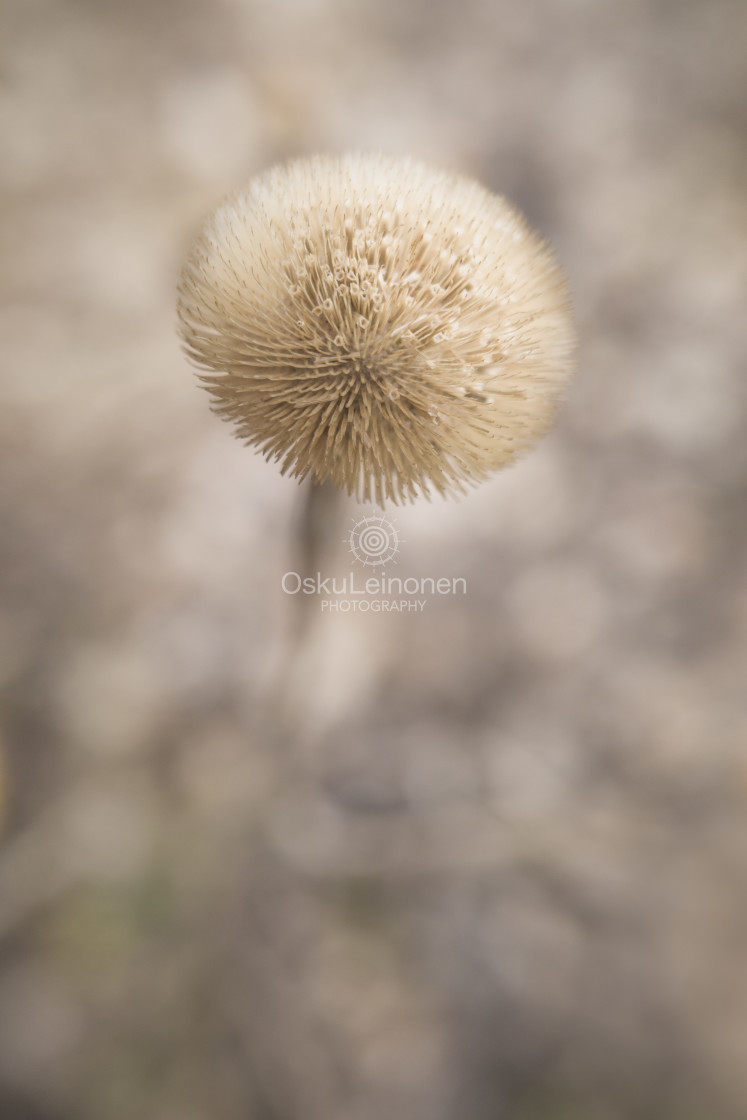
<point>378,324</point>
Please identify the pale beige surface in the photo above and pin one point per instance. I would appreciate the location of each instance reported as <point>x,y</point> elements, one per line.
<point>485,861</point>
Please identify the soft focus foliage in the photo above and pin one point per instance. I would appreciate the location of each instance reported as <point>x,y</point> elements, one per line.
<point>483,862</point>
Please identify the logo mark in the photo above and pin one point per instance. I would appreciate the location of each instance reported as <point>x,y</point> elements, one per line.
<point>373,541</point>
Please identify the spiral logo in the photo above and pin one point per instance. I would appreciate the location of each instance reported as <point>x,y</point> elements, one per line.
<point>373,541</point>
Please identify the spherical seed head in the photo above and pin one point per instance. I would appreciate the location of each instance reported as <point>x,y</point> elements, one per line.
<point>378,324</point>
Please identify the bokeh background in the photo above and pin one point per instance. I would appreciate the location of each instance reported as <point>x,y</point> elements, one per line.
<point>487,862</point>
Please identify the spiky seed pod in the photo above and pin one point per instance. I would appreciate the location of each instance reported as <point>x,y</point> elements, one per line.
<point>376,323</point>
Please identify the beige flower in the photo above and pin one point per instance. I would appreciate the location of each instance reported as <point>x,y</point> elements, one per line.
<point>378,324</point>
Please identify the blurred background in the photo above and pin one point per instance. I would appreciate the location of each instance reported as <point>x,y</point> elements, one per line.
<point>484,862</point>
